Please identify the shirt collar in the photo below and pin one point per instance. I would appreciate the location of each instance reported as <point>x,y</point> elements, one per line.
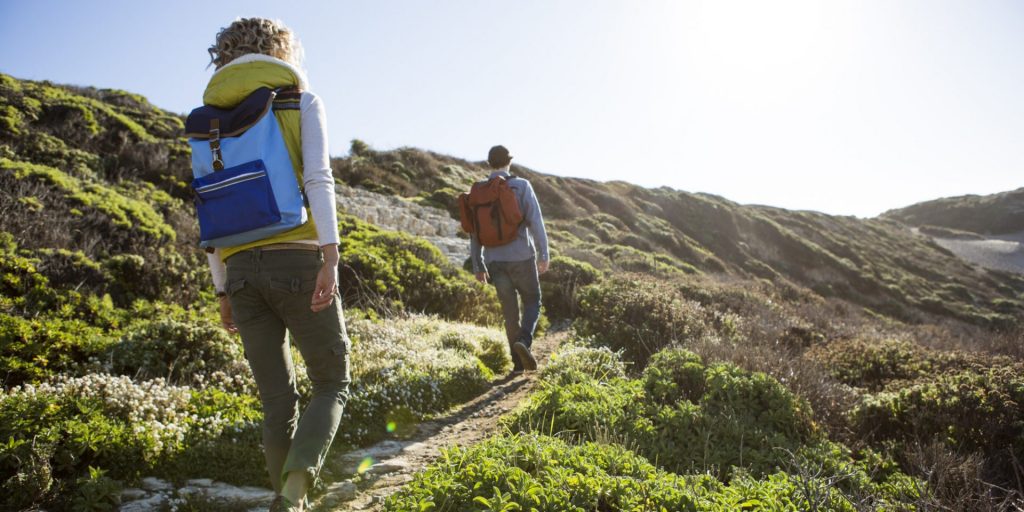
<point>503,172</point>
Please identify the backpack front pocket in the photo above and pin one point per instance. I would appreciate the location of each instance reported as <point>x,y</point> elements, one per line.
<point>235,200</point>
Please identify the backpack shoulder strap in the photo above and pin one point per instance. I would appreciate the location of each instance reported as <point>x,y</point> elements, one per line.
<point>287,98</point>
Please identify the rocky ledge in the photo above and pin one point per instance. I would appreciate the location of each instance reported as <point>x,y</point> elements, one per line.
<point>399,214</point>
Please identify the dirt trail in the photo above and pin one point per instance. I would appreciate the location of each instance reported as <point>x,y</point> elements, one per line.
<point>395,462</point>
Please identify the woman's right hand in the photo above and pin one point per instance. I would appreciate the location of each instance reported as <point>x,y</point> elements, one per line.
<point>226,320</point>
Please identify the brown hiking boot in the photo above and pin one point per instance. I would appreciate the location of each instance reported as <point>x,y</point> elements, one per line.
<point>529,362</point>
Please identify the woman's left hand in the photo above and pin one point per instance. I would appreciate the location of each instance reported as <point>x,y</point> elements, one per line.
<point>326,280</point>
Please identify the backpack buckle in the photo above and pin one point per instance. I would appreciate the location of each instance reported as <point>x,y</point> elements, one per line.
<point>218,161</point>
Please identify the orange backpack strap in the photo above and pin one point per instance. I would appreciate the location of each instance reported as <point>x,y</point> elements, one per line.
<point>466,214</point>
<point>511,213</point>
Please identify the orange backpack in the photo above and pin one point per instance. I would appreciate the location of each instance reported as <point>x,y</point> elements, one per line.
<point>491,211</point>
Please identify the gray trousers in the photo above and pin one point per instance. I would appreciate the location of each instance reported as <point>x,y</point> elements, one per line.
<point>515,280</point>
<point>270,293</point>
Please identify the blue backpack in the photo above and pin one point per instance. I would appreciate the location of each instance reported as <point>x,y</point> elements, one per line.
<point>245,186</point>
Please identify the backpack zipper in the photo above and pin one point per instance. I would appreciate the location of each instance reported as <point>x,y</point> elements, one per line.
<point>249,176</point>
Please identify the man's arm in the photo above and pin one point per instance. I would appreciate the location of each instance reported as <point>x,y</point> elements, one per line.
<point>476,255</point>
<point>535,222</point>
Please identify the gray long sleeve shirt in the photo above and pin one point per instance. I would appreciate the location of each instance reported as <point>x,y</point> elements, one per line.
<point>532,239</point>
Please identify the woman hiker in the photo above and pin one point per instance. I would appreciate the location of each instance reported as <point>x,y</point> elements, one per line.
<point>285,282</point>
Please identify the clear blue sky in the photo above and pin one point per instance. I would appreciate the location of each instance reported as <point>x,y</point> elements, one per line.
<point>847,107</point>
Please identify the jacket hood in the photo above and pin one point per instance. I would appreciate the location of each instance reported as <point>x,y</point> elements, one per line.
<point>234,82</point>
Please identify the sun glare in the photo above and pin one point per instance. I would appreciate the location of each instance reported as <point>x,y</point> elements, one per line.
<point>758,54</point>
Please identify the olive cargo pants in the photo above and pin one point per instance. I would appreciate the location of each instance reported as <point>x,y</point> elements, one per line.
<point>270,293</point>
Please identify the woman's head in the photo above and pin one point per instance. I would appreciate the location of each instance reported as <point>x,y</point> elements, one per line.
<point>255,35</point>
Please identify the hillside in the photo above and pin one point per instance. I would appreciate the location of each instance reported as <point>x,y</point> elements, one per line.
<point>720,356</point>
<point>996,214</point>
<point>112,362</point>
<point>875,263</point>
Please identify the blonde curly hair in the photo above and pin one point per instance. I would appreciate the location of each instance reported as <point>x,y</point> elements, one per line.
<point>255,35</point>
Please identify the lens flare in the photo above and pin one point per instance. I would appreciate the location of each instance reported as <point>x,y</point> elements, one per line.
<point>365,465</point>
<point>392,426</point>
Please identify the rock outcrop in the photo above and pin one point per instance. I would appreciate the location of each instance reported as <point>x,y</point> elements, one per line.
<point>399,214</point>
<point>156,495</point>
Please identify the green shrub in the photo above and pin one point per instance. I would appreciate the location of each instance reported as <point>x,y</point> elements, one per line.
<point>561,284</point>
<point>39,348</point>
<point>72,268</point>
<point>534,472</point>
<point>689,417</point>
<point>445,198</point>
<point>160,274</point>
<point>493,353</point>
<point>230,453</point>
<point>639,316</point>
<point>686,415</point>
<point>76,334</point>
<point>674,375</point>
<point>123,211</point>
<point>969,411</point>
<point>97,492</point>
<point>580,363</point>
<point>872,365</point>
<point>876,365</point>
<point>390,272</point>
<point>360,148</point>
<point>176,351</point>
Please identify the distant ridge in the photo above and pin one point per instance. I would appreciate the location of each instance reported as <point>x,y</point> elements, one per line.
<point>995,214</point>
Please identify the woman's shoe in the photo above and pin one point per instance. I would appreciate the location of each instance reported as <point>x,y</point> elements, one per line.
<point>282,504</point>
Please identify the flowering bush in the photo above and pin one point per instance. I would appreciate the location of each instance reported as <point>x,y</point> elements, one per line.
<point>64,427</point>
<point>405,370</point>
<point>580,362</point>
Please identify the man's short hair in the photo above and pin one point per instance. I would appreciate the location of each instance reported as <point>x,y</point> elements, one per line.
<point>498,157</point>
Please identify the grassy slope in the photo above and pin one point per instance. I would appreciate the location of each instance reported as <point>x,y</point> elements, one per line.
<point>875,263</point>
<point>994,214</point>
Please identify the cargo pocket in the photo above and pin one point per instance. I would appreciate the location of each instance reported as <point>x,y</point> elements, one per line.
<point>235,286</point>
<point>244,303</point>
<point>294,294</point>
<point>331,371</point>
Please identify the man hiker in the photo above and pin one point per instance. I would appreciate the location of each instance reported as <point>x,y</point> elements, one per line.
<point>512,266</point>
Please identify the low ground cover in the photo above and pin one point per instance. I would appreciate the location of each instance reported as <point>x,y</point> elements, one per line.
<point>207,416</point>
<point>682,436</point>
